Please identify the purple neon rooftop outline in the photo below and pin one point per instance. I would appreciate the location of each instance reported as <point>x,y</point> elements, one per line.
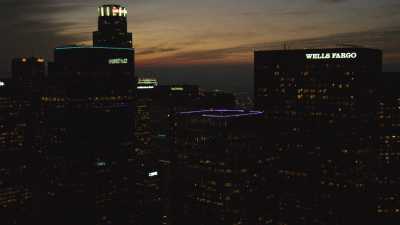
<point>212,110</point>
<point>232,116</point>
<point>219,113</point>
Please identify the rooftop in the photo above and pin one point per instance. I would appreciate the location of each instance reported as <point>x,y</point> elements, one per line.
<point>222,113</point>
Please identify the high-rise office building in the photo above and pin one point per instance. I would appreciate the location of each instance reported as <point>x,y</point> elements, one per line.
<point>28,68</point>
<point>144,114</point>
<point>16,183</point>
<point>112,27</point>
<point>220,168</point>
<point>29,73</point>
<point>318,106</point>
<point>385,175</point>
<point>155,106</point>
<point>88,125</point>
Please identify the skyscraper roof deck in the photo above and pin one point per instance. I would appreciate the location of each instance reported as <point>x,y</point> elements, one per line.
<point>222,119</point>
<point>222,113</point>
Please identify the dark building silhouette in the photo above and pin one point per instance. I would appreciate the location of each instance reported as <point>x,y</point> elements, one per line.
<point>16,183</point>
<point>217,99</point>
<point>385,175</point>
<point>88,113</point>
<point>112,27</point>
<point>28,69</point>
<point>219,168</point>
<point>319,106</point>
<point>86,143</point>
<point>28,74</point>
<point>144,113</point>
<point>155,106</point>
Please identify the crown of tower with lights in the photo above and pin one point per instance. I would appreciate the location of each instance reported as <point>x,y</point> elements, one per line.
<point>112,27</point>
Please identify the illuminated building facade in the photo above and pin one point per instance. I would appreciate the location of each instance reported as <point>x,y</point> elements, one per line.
<point>220,168</point>
<point>144,114</point>
<point>387,179</point>
<point>112,27</point>
<point>155,106</point>
<point>147,83</point>
<point>16,184</point>
<point>319,107</point>
<point>88,109</point>
<point>169,99</point>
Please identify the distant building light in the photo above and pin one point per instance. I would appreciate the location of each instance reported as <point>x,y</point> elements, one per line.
<point>118,61</point>
<point>177,89</point>
<point>40,60</point>
<point>153,174</point>
<point>2,84</point>
<point>147,81</point>
<point>24,60</point>
<point>101,164</point>
<point>145,87</point>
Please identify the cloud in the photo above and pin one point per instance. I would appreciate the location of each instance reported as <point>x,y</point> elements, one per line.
<point>385,39</point>
<point>34,27</point>
<point>153,50</point>
<point>334,1</point>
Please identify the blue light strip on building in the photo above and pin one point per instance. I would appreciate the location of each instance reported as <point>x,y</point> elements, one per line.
<point>95,47</point>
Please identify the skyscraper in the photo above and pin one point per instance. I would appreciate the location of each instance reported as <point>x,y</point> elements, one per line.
<point>16,183</point>
<point>220,168</point>
<point>29,73</point>
<point>112,27</point>
<point>387,140</point>
<point>88,129</point>
<point>319,107</point>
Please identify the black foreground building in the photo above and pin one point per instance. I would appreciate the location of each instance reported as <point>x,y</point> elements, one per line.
<point>88,114</point>
<point>220,168</point>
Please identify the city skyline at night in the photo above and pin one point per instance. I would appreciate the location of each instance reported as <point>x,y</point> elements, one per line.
<point>174,38</point>
<point>200,113</point>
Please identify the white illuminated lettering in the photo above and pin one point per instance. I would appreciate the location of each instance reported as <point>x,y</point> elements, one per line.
<point>118,61</point>
<point>334,55</point>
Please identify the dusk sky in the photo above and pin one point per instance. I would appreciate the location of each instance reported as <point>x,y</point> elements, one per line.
<point>207,42</point>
